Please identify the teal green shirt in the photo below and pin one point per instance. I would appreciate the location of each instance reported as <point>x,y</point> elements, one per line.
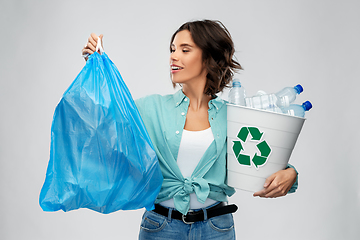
<point>164,118</point>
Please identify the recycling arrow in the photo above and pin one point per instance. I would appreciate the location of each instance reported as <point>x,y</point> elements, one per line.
<point>243,133</point>
<point>255,133</point>
<point>237,147</point>
<point>262,146</point>
<point>264,149</point>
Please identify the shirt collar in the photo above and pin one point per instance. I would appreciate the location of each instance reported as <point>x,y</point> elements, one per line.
<point>179,97</point>
<point>217,102</point>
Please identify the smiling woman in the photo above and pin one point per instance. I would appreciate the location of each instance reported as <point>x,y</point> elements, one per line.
<point>188,131</point>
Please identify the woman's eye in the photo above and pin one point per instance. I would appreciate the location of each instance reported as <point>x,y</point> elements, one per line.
<point>185,50</point>
<point>172,50</point>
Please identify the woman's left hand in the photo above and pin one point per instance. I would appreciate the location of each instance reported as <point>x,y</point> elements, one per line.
<point>278,184</point>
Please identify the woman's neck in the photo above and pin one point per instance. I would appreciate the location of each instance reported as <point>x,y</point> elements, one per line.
<point>198,99</point>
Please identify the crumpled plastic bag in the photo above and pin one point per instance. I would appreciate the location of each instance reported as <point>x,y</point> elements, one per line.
<point>101,156</point>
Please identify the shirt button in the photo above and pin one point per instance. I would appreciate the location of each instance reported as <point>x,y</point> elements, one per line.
<point>183,113</point>
<point>185,99</point>
<point>177,132</point>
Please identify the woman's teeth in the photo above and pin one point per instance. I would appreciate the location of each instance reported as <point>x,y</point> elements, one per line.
<point>175,68</point>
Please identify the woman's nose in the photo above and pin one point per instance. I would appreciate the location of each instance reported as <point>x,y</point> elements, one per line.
<point>174,56</point>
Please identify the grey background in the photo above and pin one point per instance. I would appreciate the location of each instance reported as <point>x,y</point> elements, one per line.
<point>279,43</point>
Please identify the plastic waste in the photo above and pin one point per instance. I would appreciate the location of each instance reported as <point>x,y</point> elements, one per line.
<point>101,156</point>
<point>265,102</point>
<point>297,110</point>
<point>274,101</point>
<point>237,93</point>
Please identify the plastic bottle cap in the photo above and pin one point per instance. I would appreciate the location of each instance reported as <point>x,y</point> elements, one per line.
<point>236,83</point>
<point>299,89</point>
<point>307,105</point>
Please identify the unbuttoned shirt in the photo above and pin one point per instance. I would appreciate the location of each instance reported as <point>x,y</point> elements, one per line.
<point>164,118</point>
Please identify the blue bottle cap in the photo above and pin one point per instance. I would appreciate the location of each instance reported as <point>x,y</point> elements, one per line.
<point>236,83</point>
<point>299,89</point>
<point>307,105</point>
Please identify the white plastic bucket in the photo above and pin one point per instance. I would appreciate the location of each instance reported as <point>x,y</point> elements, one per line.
<point>259,143</point>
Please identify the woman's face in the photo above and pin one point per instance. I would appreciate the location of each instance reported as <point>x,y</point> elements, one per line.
<point>186,64</point>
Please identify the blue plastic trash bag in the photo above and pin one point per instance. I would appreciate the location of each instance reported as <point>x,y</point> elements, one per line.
<point>101,156</point>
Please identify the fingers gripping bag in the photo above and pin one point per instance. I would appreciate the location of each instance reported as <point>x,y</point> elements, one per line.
<point>101,156</point>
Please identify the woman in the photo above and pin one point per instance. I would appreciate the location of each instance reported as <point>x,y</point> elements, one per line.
<point>188,131</point>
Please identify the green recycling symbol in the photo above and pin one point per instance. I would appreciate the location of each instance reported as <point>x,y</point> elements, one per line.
<point>262,146</point>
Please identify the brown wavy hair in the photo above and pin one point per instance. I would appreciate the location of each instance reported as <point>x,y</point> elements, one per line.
<point>217,47</point>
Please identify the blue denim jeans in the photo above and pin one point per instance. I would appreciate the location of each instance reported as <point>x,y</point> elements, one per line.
<point>158,227</point>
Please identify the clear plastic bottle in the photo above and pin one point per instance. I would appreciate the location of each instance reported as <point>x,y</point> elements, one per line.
<point>288,95</point>
<point>274,101</point>
<point>297,110</point>
<point>265,102</point>
<point>237,93</point>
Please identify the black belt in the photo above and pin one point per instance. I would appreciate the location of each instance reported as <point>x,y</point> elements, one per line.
<point>191,217</point>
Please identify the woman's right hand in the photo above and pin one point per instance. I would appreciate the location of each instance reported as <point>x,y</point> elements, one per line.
<point>90,47</point>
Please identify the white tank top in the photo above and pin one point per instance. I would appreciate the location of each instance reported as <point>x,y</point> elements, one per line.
<point>193,145</point>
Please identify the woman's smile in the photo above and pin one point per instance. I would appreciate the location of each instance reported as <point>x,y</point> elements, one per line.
<point>175,68</point>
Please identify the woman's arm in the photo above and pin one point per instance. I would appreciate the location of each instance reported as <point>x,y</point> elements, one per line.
<point>90,47</point>
<point>278,184</point>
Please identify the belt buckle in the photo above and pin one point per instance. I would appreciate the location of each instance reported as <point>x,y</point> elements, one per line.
<point>183,219</point>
